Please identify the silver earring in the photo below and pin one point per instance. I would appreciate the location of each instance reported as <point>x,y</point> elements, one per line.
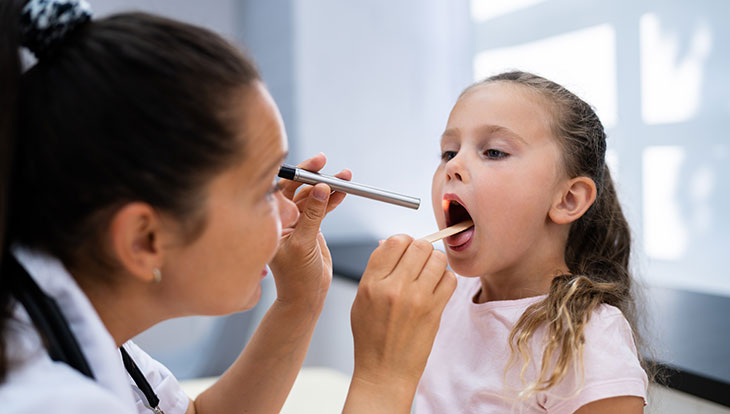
<point>157,275</point>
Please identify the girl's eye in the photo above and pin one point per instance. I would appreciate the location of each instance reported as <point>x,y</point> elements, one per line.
<point>494,154</point>
<point>447,155</point>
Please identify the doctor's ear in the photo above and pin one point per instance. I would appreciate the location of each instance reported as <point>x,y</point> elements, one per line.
<point>573,201</point>
<point>136,237</point>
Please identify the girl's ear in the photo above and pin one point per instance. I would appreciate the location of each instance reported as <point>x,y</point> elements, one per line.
<point>576,198</point>
<point>135,236</point>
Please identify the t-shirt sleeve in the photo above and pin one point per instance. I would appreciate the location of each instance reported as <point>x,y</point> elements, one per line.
<point>173,400</point>
<point>611,366</point>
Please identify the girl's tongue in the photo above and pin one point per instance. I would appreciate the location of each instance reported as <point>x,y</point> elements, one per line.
<point>459,239</point>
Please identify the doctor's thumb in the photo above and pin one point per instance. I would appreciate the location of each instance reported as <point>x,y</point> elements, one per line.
<point>314,211</point>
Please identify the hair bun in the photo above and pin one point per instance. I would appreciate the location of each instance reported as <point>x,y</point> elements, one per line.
<point>45,23</point>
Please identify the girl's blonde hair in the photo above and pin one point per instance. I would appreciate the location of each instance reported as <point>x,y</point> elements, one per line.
<point>597,251</point>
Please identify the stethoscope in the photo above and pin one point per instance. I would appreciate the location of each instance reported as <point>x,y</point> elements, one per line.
<point>54,329</point>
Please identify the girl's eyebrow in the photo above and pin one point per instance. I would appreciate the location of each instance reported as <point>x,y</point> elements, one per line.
<point>485,130</point>
<point>450,133</point>
<point>498,129</point>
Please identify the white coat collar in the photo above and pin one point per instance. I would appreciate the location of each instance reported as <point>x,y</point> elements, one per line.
<point>96,342</point>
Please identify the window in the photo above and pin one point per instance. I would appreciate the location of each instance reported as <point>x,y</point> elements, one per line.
<point>655,75</point>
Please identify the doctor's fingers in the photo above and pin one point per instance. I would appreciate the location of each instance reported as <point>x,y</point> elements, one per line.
<point>433,269</point>
<point>413,261</point>
<point>336,197</point>
<point>312,212</point>
<point>316,163</point>
<point>445,288</point>
<point>384,259</point>
<point>434,286</point>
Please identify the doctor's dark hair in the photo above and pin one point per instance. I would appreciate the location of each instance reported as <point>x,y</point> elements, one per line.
<point>597,250</point>
<point>132,107</point>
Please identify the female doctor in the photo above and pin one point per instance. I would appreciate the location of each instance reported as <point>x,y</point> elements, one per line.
<point>138,165</point>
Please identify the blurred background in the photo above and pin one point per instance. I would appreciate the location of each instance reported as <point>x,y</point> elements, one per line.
<point>371,83</point>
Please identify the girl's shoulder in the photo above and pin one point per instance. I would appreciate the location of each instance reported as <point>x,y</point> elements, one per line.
<point>610,365</point>
<point>605,312</point>
<point>607,321</point>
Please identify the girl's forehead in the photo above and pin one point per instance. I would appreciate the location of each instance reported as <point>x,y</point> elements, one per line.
<point>504,93</point>
<point>502,104</point>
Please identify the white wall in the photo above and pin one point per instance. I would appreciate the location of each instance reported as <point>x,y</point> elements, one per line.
<point>373,85</point>
<point>656,71</point>
<point>375,81</point>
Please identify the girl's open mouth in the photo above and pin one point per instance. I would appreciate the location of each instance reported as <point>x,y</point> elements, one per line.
<point>455,213</point>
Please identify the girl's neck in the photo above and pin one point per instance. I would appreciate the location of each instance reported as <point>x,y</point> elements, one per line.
<point>519,283</point>
<point>493,290</point>
<point>531,273</point>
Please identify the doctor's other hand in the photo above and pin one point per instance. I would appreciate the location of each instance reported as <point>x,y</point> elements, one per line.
<point>302,266</point>
<point>395,316</point>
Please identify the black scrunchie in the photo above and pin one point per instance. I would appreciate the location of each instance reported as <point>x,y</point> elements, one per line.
<point>45,23</point>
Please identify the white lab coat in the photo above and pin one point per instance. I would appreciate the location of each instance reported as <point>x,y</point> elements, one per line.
<point>36,384</point>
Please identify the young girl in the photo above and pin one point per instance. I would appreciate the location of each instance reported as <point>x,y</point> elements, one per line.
<point>541,320</point>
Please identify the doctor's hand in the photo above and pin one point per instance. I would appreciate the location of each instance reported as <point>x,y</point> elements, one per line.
<point>302,266</point>
<point>395,316</point>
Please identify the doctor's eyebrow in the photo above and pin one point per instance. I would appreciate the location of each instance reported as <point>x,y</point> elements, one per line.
<point>274,165</point>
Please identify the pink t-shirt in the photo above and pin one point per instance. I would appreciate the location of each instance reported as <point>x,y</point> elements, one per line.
<point>465,372</point>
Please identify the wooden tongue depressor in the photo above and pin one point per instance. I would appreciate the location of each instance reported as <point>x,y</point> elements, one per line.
<point>449,231</point>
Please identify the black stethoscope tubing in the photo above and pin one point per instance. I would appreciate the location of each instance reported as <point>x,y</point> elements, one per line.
<point>60,342</point>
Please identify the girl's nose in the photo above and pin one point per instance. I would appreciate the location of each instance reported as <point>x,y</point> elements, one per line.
<point>288,211</point>
<point>456,169</point>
